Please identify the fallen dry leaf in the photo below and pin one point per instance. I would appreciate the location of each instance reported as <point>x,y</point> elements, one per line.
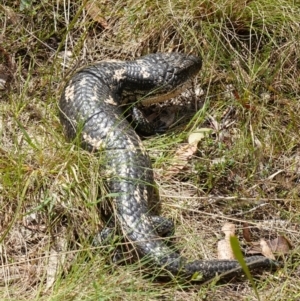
<point>266,250</point>
<point>56,260</point>
<point>198,135</point>
<point>224,247</point>
<point>181,157</point>
<point>186,152</point>
<point>229,230</point>
<point>65,57</point>
<point>246,233</point>
<point>279,245</point>
<point>52,268</point>
<point>224,250</point>
<point>94,11</point>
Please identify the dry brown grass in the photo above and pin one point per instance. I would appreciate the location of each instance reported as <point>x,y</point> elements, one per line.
<point>247,170</point>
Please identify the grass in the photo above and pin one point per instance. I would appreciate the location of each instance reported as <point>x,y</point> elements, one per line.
<point>247,170</point>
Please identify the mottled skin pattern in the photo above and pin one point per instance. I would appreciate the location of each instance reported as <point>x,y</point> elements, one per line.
<point>92,106</point>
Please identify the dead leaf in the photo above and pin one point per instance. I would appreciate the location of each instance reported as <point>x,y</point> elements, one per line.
<point>254,249</point>
<point>186,152</point>
<point>246,233</point>
<point>224,247</point>
<point>32,222</point>
<point>181,157</point>
<point>198,135</point>
<point>229,230</point>
<point>224,250</point>
<point>52,268</point>
<point>280,245</point>
<point>266,250</point>
<point>66,57</point>
<point>94,11</point>
<point>57,259</point>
